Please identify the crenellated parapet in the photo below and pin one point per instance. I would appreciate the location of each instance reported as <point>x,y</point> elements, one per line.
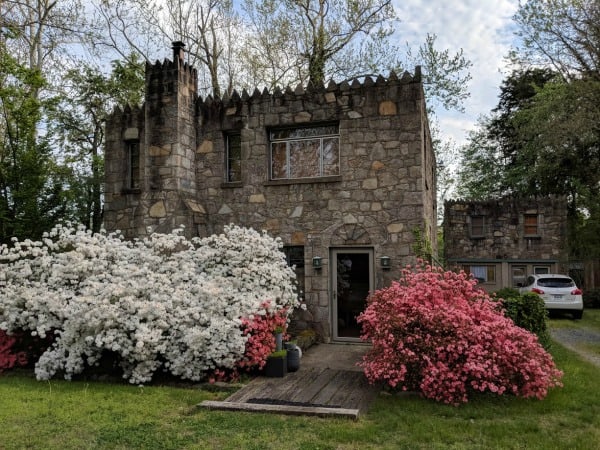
<point>346,96</point>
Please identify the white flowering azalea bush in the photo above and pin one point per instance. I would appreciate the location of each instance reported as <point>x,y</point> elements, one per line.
<point>193,308</point>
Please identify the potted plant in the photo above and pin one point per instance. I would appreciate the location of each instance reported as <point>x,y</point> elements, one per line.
<point>278,332</point>
<point>276,365</point>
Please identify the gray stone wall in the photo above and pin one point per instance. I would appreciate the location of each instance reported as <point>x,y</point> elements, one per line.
<point>384,192</point>
<point>504,236</point>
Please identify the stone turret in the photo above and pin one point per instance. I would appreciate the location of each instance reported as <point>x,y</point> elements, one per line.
<point>151,153</point>
<point>171,90</point>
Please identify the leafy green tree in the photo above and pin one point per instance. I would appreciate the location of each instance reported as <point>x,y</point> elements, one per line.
<point>492,161</point>
<point>78,128</point>
<point>559,139</point>
<point>31,194</point>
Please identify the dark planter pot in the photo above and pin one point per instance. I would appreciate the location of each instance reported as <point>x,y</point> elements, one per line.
<point>293,359</point>
<point>276,366</point>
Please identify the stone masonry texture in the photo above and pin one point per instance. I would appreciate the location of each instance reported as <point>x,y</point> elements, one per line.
<point>384,192</point>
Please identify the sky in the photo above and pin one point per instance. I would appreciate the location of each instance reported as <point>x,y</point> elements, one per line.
<point>483,29</point>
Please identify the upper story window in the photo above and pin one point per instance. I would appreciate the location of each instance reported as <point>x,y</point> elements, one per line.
<point>233,158</point>
<point>531,225</point>
<point>133,165</point>
<point>477,227</point>
<point>305,152</point>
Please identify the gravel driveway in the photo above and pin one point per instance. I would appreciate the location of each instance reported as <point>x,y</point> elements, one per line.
<point>572,339</point>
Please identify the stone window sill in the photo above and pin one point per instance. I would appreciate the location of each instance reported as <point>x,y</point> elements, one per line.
<point>330,179</point>
<point>126,191</point>
<point>477,237</point>
<point>232,184</point>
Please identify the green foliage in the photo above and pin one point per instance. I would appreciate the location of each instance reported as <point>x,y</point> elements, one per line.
<point>446,75</point>
<point>490,167</point>
<point>31,192</point>
<point>278,354</point>
<point>422,247</point>
<point>542,139</point>
<point>77,125</point>
<point>101,415</point>
<point>527,311</point>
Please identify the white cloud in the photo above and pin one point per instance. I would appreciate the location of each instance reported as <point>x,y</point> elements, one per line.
<point>482,28</point>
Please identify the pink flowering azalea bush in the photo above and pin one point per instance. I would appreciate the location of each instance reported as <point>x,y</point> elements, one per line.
<point>436,333</point>
<point>260,330</point>
<point>192,308</point>
<point>10,355</point>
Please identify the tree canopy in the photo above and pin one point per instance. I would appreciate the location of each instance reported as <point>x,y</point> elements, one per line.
<point>544,136</point>
<point>59,84</point>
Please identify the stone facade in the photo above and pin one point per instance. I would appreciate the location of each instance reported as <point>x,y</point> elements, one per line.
<point>382,189</point>
<point>509,237</point>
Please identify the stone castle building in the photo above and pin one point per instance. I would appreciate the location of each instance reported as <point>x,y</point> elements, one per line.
<point>502,241</point>
<point>344,174</point>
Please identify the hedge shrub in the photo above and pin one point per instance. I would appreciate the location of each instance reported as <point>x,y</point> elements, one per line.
<point>193,308</point>
<point>526,311</point>
<point>435,332</point>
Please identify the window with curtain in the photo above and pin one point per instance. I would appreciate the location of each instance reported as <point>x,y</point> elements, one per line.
<point>482,273</point>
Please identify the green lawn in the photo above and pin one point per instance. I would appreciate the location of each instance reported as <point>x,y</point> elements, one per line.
<point>80,415</point>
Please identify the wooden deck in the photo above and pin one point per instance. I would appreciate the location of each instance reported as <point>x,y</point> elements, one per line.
<point>318,388</point>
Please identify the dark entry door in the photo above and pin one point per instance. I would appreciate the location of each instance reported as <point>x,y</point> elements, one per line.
<point>352,281</point>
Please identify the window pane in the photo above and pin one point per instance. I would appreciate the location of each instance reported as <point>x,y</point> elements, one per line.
<point>531,224</point>
<point>519,276</point>
<point>331,156</point>
<point>304,158</point>
<point>279,160</point>
<point>556,282</point>
<point>133,162</point>
<point>479,272</point>
<point>234,158</point>
<point>482,273</point>
<point>306,152</point>
<point>477,226</point>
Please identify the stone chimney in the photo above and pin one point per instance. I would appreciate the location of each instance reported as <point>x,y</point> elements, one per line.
<point>178,51</point>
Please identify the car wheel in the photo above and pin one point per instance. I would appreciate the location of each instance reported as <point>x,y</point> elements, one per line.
<point>577,315</point>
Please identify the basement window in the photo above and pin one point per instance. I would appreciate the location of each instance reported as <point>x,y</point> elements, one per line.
<point>482,273</point>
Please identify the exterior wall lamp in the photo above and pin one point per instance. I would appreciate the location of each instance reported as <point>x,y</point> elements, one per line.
<point>386,262</point>
<point>317,262</point>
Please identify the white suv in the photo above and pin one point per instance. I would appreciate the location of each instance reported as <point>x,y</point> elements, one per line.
<point>560,293</point>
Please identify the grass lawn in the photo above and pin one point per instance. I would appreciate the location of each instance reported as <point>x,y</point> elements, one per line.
<point>80,415</point>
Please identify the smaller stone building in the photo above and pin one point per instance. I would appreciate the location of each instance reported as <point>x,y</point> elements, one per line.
<point>344,174</point>
<point>502,241</point>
